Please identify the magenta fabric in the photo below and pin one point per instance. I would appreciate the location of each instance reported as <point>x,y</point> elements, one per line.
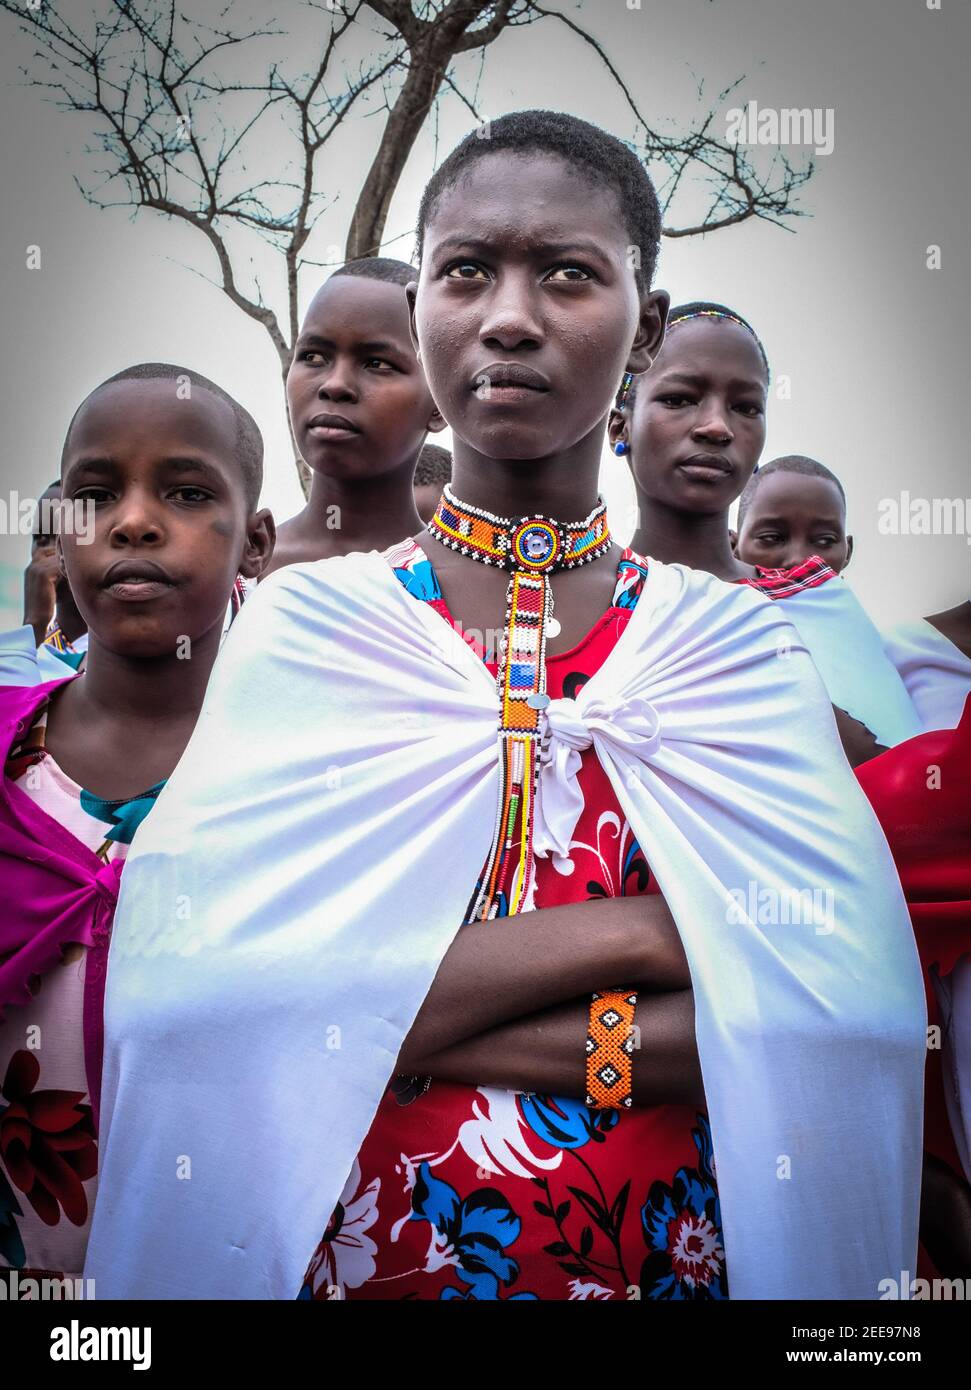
<point>53,889</point>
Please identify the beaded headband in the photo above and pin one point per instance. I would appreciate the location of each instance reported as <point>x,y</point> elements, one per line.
<point>710,314</point>
<point>627,381</point>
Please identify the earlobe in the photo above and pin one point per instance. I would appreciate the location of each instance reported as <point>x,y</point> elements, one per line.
<point>849,550</point>
<point>617,432</point>
<point>436,422</point>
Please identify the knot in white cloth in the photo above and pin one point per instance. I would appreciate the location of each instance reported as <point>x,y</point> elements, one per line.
<point>629,730</point>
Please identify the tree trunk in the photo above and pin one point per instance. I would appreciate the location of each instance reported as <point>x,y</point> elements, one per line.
<point>303,471</point>
<point>415,100</point>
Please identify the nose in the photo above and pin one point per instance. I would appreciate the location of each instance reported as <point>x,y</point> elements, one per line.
<point>137,521</point>
<point>713,426</point>
<point>511,320</point>
<point>337,382</point>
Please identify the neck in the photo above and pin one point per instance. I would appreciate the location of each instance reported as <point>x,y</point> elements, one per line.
<point>563,486</point>
<point>155,691</point>
<point>345,514</point>
<point>698,540</point>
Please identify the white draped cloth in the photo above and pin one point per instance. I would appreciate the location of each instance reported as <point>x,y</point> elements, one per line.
<point>848,650</point>
<point>936,673</point>
<point>22,662</point>
<point>285,908</point>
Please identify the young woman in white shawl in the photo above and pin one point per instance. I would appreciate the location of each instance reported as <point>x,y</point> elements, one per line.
<point>288,964</point>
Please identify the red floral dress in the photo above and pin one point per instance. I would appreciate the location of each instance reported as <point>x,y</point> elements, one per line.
<point>479,1193</point>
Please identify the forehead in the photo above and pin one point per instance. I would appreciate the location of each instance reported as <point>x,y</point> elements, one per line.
<point>716,347</point>
<point>518,201</point>
<point>354,308</point>
<point>152,418</point>
<point>797,494</point>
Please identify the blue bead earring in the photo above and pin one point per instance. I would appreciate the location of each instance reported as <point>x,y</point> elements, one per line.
<point>620,447</point>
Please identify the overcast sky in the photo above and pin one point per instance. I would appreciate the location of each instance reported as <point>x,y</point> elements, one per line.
<point>872,341</point>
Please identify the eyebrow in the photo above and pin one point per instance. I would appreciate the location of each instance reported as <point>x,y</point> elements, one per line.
<point>784,521</point>
<point>376,345</point>
<point>693,379</point>
<point>539,248</point>
<point>176,463</point>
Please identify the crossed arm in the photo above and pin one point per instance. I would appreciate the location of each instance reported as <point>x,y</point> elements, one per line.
<point>510,1004</point>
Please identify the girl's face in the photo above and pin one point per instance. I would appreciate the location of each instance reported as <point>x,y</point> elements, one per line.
<point>171,526</point>
<point>527,311</point>
<point>697,423</point>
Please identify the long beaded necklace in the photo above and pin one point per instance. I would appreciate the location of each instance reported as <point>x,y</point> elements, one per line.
<point>532,548</point>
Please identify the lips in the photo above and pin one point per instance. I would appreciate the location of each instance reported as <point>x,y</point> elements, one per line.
<point>327,426</point>
<point>507,380</point>
<point>706,467</point>
<point>138,580</point>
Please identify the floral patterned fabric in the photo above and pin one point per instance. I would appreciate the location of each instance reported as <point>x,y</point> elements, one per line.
<point>48,1144</point>
<point>478,1193</point>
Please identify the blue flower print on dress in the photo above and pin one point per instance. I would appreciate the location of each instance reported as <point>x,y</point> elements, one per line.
<point>682,1231</point>
<point>566,1124</point>
<point>420,579</point>
<point>477,1230</point>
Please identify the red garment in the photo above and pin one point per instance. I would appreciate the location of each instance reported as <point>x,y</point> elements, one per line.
<point>921,793</point>
<point>478,1193</point>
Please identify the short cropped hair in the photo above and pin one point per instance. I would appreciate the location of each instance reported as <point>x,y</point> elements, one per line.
<point>379,268</point>
<point>787,463</point>
<point>585,147</point>
<point>434,466</point>
<point>249,440</point>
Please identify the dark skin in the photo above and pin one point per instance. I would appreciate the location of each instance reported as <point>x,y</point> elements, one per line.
<point>525,266</point>
<point>792,517</point>
<point>426,499</point>
<point>172,529</point>
<point>46,591</point>
<point>945,1218</point>
<point>355,363</point>
<point>955,625</point>
<point>694,432</point>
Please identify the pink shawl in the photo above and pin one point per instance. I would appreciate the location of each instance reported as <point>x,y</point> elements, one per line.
<point>54,889</point>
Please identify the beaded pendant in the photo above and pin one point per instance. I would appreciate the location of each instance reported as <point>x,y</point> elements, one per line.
<point>532,549</point>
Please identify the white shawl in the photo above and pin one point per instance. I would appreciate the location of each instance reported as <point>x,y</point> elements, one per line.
<point>936,673</point>
<point>285,907</point>
<point>847,648</point>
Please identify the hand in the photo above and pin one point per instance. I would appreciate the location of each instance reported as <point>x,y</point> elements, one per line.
<point>859,744</point>
<point>40,589</point>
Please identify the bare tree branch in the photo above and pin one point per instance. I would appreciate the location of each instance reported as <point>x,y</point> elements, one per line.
<point>180,109</point>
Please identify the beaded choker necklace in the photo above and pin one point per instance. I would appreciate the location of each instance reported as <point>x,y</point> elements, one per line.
<point>532,548</point>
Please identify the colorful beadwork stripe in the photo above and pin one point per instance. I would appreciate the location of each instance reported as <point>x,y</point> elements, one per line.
<point>533,548</point>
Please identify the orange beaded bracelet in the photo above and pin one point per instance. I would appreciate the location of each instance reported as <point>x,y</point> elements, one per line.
<point>610,1048</point>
